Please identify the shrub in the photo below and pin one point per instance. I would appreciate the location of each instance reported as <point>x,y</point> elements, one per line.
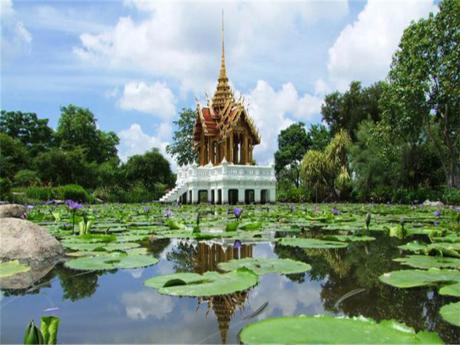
<point>40,193</point>
<point>73,192</point>
<point>26,178</point>
<point>5,189</point>
<point>451,196</point>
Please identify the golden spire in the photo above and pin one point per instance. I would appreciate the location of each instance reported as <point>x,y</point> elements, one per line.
<point>223,92</point>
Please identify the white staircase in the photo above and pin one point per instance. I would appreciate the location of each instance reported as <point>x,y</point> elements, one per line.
<point>174,193</point>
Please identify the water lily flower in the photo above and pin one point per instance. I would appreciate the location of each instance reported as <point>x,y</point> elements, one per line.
<point>437,213</point>
<point>237,212</point>
<point>335,211</point>
<point>168,213</point>
<point>435,223</point>
<point>292,208</point>
<point>237,244</point>
<point>146,209</point>
<point>30,207</point>
<point>457,209</point>
<point>73,205</point>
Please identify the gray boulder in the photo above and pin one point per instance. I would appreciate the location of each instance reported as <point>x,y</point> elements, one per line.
<point>27,242</point>
<point>12,210</point>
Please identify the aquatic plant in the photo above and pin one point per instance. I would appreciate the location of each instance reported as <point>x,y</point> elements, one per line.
<point>437,213</point>
<point>368,221</point>
<point>168,213</point>
<point>237,212</point>
<point>73,206</point>
<point>335,211</point>
<point>46,334</point>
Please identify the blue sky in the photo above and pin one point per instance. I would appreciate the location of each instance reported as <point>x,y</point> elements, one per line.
<point>135,64</point>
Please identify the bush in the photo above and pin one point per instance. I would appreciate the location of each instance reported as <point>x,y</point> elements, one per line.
<point>26,178</point>
<point>451,196</point>
<point>70,191</point>
<point>73,192</point>
<point>5,189</point>
<point>40,193</point>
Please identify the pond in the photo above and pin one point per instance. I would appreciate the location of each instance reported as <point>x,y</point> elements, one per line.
<point>115,306</point>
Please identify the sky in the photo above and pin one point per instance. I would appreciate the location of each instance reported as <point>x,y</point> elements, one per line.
<point>136,63</point>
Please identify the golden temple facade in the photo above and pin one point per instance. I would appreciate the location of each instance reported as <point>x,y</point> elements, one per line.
<point>223,129</point>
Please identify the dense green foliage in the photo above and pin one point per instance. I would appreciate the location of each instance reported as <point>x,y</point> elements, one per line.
<point>181,147</point>
<point>35,161</point>
<point>405,131</point>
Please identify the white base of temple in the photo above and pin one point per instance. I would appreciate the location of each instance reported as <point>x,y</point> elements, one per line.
<point>223,184</point>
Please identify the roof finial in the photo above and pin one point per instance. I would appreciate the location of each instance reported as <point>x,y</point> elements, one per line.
<point>223,72</point>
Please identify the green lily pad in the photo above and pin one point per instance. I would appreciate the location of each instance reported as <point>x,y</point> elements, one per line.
<point>108,247</point>
<point>251,226</point>
<point>312,243</point>
<point>424,261</point>
<point>10,268</point>
<point>331,330</point>
<point>451,313</point>
<point>266,265</point>
<point>444,248</point>
<point>207,284</point>
<point>450,290</point>
<point>110,261</point>
<point>349,238</point>
<point>412,278</point>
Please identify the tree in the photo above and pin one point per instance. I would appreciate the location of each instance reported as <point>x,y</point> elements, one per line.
<point>326,172</point>
<point>13,156</point>
<point>423,100</point>
<point>77,128</point>
<point>293,142</point>
<point>149,169</point>
<point>181,147</point>
<point>319,136</point>
<point>33,132</point>
<point>347,110</point>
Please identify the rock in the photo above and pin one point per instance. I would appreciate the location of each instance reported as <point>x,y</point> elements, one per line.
<point>433,203</point>
<point>12,210</point>
<point>27,279</point>
<point>28,242</point>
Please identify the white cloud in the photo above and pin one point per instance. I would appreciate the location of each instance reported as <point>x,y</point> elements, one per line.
<point>180,39</point>
<point>134,141</point>
<point>148,303</point>
<point>156,99</point>
<point>15,36</point>
<point>364,49</point>
<point>274,110</point>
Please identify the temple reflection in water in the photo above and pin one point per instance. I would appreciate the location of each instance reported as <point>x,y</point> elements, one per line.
<point>205,256</point>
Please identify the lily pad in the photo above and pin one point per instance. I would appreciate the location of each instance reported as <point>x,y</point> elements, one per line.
<point>207,284</point>
<point>311,243</point>
<point>331,330</point>
<point>413,278</point>
<point>451,313</point>
<point>9,268</point>
<point>425,261</point>
<point>266,265</point>
<point>110,261</point>
<point>450,290</point>
<point>349,238</point>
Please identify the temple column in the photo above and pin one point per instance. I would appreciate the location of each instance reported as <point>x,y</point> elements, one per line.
<point>246,150</point>
<point>230,160</point>
<point>210,151</point>
<point>202,149</point>
<point>257,195</point>
<point>250,153</point>
<point>241,195</point>
<point>224,195</point>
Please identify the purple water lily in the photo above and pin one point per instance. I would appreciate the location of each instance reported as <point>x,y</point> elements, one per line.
<point>237,212</point>
<point>335,211</point>
<point>237,244</point>
<point>437,213</point>
<point>73,205</point>
<point>30,207</point>
<point>168,213</point>
<point>146,209</point>
<point>457,209</point>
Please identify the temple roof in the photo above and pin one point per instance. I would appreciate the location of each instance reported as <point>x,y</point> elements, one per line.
<point>223,112</point>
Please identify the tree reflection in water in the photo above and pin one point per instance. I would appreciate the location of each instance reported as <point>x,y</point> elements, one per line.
<point>358,267</point>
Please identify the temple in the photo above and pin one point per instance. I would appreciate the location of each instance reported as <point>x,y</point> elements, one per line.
<point>224,136</point>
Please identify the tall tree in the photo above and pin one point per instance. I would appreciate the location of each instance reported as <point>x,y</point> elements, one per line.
<point>77,127</point>
<point>13,156</point>
<point>33,132</point>
<point>181,147</point>
<point>293,142</point>
<point>423,100</point>
<point>149,169</point>
<point>319,136</point>
<point>346,110</point>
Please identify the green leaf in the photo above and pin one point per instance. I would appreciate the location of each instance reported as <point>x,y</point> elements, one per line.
<point>49,327</point>
<point>413,278</point>
<point>331,330</point>
<point>311,243</point>
<point>450,290</point>
<point>451,313</point>
<point>207,284</point>
<point>110,261</point>
<point>232,226</point>
<point>9,268</point>
<point>424,261</point>
<point>251,226</point>
<point>349,238</point>
<point>266,265</point>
